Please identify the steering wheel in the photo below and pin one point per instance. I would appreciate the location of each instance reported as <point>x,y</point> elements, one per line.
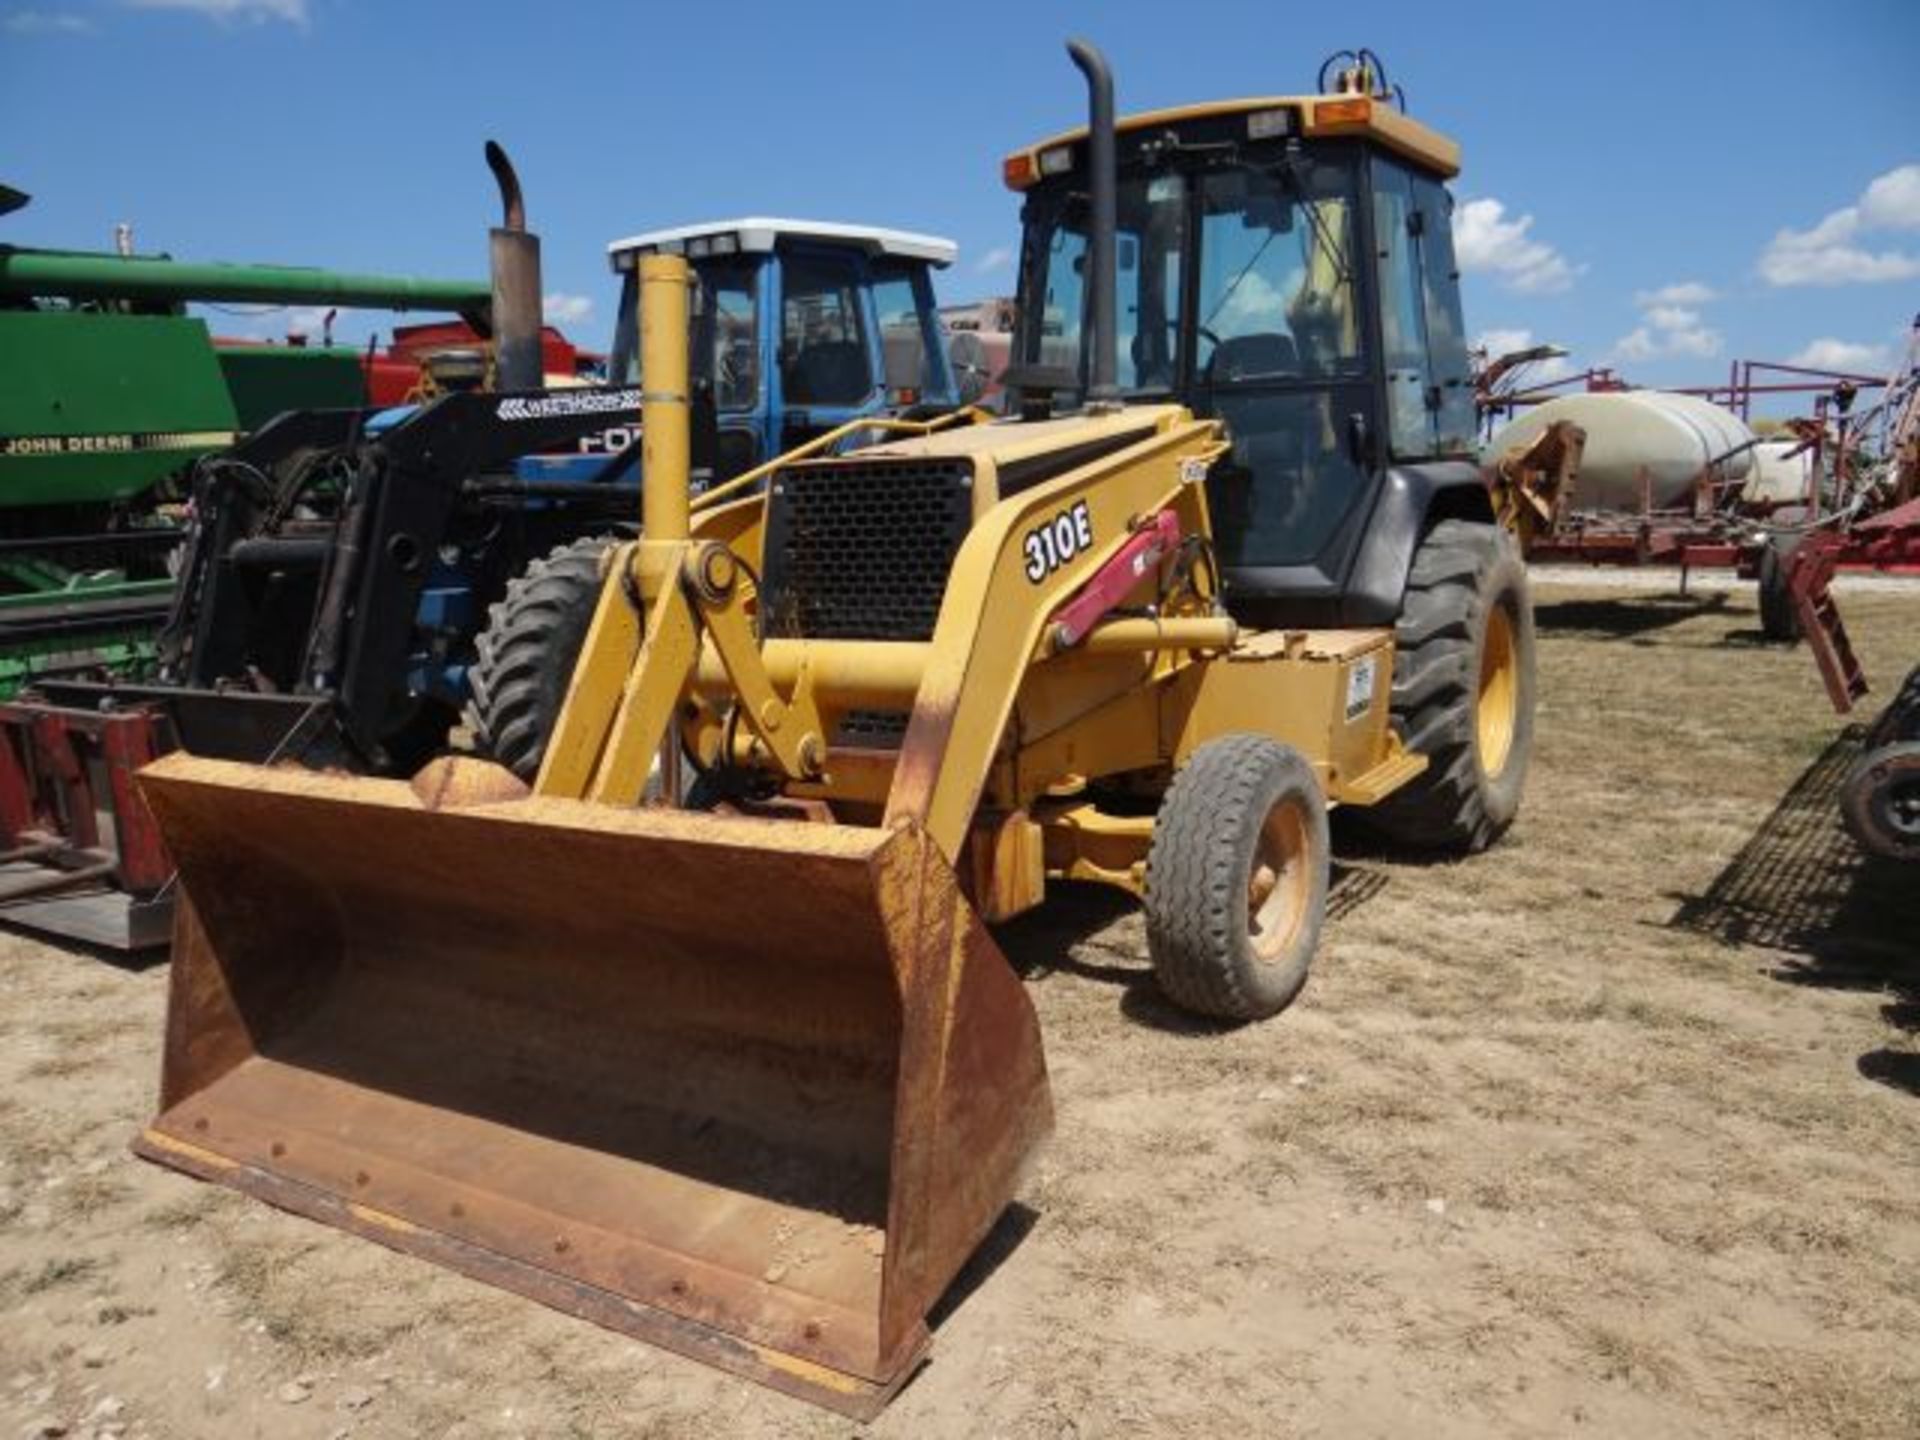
<point>1201,330</point>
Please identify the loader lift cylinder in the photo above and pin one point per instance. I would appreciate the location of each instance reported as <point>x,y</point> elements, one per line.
<point>665,427</point>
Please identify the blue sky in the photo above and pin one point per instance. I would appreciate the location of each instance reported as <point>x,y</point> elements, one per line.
<point>1662,187</point>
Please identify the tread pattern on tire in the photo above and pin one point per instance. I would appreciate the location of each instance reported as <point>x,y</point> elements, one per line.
<point>1779,618</point>
<point>524,659</point>
<point>1435,687</point>
<point>1196,901</point>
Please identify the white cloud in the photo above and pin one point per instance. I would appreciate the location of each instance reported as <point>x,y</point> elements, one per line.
<point>560,308</point>
<point>1835,251</point>
<point>1495,343</point>
<point>998,258</point>
<point>1672,317</point>
<point>1827,353</point>
<point>1685,292</point>
<point>1485,240</point>
<point>46,22</point>
<point>1668,328</point>
<point>1892,201</point>
<point>293,12</point>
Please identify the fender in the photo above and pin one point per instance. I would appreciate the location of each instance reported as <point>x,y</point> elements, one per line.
<point>1412,500</point>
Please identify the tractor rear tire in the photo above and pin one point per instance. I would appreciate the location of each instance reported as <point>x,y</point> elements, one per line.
<point>1237,879</point>
<point>1463,688</point>
<point>527,652</point>
<point>1779,617</point>
<point>1880,801</point>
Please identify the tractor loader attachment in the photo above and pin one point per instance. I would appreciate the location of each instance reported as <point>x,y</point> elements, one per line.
<point>752,1090</point>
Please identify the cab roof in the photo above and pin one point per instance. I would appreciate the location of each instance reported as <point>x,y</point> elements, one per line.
<point>758,234</point>
<point>1307,115</point>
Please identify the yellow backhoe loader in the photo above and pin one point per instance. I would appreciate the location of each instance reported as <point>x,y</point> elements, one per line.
<point>741,1069</point>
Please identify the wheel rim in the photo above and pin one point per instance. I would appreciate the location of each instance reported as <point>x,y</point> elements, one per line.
<point>1281,882</point>
<point>1900,806</point>
<point>1498,703</point>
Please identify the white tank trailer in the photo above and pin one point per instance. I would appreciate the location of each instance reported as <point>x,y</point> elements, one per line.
<point>1782,475</point>
<point>1643,446</point>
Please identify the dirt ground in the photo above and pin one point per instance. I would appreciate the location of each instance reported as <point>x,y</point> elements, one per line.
<point>1614,1130</point>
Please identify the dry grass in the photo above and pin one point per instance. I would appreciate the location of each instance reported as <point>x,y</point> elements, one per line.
<point>1611,1129</point>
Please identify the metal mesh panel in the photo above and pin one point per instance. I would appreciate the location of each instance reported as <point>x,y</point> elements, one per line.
<point>861,550</point>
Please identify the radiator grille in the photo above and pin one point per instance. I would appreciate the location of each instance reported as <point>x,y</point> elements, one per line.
<point>861,550</point>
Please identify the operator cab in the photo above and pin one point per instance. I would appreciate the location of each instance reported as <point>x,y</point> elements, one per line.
<point>1286,265</point>
<point>798,325</point>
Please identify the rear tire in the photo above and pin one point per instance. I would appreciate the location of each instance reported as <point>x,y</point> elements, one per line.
<point>1779,618</point>
<point>1237,879</point>
<point>1880,801</point>
<point>1463,688</point>
<point>527,652</point>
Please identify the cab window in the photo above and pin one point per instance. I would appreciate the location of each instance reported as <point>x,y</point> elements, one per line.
<point>904,344</point>
<point>729,299</point>
<point>1276,276</point>
<point>823,344</point>
<point>1429,388</point>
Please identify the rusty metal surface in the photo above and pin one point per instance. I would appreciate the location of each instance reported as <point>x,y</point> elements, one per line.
<point>769,1080</point>
<point>847,1394</point>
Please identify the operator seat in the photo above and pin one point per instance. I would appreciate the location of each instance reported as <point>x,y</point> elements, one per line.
<point>1263,356</point>
<point>831,372</point>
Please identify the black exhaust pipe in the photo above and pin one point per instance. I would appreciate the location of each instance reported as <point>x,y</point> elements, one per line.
<point>1102,390</point>
<point>514,253</point>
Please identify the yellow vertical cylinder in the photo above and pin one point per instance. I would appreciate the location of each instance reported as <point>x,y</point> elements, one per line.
<point>665,426</point>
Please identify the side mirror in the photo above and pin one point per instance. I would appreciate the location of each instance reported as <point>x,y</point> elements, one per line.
<point>1360,448</point>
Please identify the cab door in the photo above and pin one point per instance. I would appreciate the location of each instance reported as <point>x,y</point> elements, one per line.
<point>826,351</point>
<point>1281,355</point>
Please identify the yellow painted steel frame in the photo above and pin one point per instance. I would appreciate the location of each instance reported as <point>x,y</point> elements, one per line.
<point>992,626</point>
<point>631,675</point>
<point>1003,728</point>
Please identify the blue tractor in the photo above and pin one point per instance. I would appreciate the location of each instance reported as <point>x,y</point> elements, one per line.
<point>799,327</point>
<point>354,580</point>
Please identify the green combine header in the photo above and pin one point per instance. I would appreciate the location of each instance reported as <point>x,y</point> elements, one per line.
<point>109,392</point>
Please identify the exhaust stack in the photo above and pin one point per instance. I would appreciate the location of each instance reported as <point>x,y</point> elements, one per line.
<point>1103,393</point>
<point>514,257</point>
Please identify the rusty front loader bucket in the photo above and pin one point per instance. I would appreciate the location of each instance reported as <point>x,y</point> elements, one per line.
<point>752,1090</point>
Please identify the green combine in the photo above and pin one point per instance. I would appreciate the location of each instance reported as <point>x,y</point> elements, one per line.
<point>109,392</point>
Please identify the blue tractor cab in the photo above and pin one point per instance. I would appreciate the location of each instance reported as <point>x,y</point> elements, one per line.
<point>799,326</point>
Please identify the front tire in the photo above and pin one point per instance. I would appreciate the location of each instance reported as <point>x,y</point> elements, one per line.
<point>1237,879</point>
<point>1463,690</point>
<point>525,657</point>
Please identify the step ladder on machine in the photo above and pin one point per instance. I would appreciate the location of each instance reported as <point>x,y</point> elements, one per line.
<point>1810,566</point>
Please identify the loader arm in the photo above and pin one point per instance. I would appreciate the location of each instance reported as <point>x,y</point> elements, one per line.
<point>994,617</point>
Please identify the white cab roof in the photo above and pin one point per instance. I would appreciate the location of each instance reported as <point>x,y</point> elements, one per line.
<point>759,233</point>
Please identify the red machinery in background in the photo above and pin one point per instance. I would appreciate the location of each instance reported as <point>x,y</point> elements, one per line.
<point>1860,511</point>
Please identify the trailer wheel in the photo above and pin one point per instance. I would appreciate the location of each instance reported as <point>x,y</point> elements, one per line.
<point>1779,618</point>
<point>1462,690</point>
<point>1880,801</point>
<point>1237,878</point>
<point>526,654</point>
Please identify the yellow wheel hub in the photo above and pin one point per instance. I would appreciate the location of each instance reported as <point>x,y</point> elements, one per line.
<point>1281,883</point>
<point>1497,705</point>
